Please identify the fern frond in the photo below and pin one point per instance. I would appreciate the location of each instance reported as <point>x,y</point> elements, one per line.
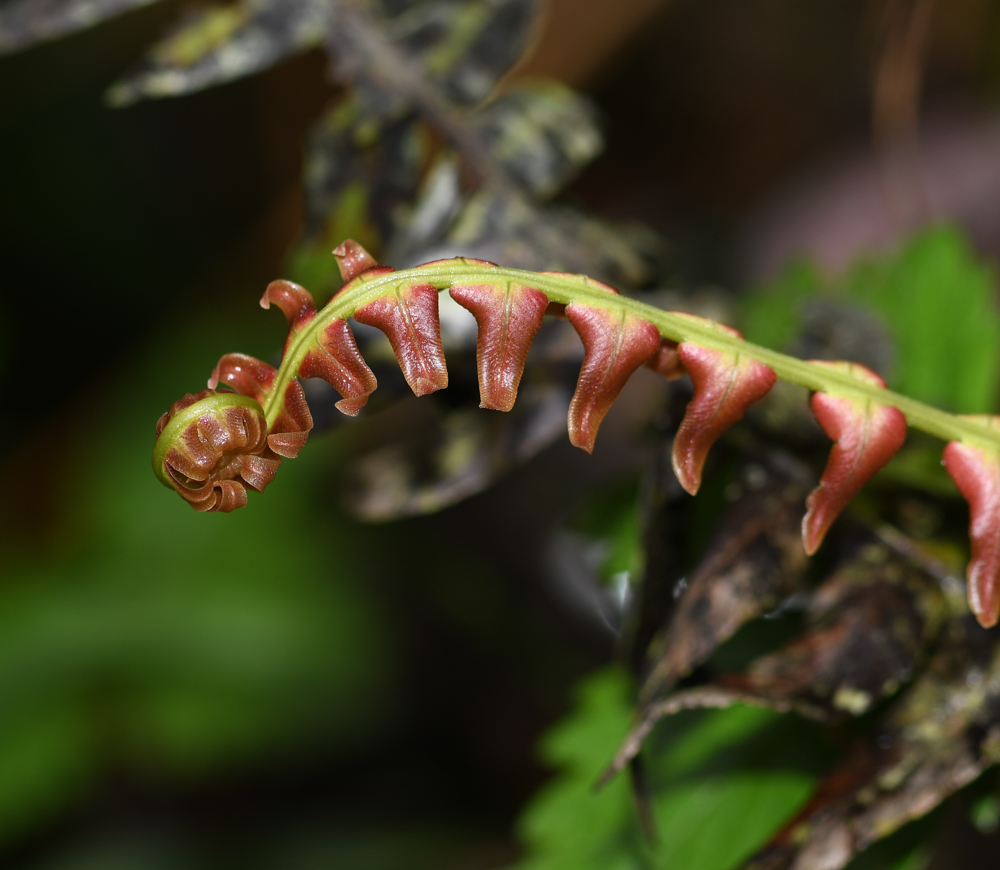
<point>208,441</point>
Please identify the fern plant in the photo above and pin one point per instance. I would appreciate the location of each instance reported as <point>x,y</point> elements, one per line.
<point>214,444</point>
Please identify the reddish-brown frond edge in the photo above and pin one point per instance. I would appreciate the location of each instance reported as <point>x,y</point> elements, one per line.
<point>408,315</point>
<point>508,316</point>
<point>615,345</point>
<point>352,259</point>
<point>334,356</point>
<point>251,377</point>
<point>726,383</point>
<point>866,435</point>
<point>976,472</point>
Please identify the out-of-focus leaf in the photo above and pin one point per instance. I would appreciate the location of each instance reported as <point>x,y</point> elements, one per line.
<point>539,134</point>
<point>421,227</point>
<point>310,264</point>
<point>416,74</point>
<point>754,562</point>
<point>741,771</point>
<point>941,734</point>
<point>868,628</point>
<point>611,518</point>
<point>936,300</point>
<point>458,454</point>
<point>771,315</point>
<point>847,660</point>
<point>568,824</point>
<point>359,183</point>
<point>463,46</point>
<point>939,303</point>
<point>542,132</point>
<point>222,43</point>
<point>503,229</point>
<point>430,58</point>
<point>26,22</point>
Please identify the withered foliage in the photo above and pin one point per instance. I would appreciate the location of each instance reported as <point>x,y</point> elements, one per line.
<point>882,629</point>
<point>938,736</point>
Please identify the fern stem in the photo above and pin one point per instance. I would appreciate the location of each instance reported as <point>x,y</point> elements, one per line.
<point>567,289</point>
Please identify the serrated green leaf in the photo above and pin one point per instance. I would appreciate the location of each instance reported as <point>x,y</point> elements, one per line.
<point>569,824</point>
<point>741,770</point>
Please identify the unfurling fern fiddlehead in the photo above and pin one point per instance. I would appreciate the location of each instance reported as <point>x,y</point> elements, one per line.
<point>212,445</point>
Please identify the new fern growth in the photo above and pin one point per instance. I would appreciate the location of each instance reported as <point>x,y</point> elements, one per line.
<point>214,444</point>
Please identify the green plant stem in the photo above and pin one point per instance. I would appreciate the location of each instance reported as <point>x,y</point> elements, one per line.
<point>566,289</point>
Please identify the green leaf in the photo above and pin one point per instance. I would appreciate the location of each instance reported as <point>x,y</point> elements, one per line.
<point>742,771</point>
<point>936,300</point>
<point>611,517</point>
<point>771,316</point>
<point>569,824</point>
